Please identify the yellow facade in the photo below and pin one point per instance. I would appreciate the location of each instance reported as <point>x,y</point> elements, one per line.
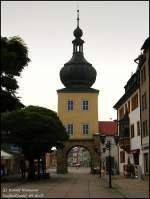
<point>77,116</point>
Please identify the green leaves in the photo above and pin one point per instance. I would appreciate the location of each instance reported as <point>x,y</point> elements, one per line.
<point>9,83</point>
<point>9,102</point>
<point>36,127</point>
<point>14,57</point>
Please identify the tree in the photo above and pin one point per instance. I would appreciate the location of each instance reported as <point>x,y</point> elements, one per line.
<point>14,57</point>
<point>35,129</point>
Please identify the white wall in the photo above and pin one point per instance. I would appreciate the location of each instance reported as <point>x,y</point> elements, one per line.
<point>136,140</point>
<point>121,164</point>
<point>134,118</point>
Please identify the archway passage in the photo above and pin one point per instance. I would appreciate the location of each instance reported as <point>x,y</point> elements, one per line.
<point>87,145</point>
<point>79,160</point>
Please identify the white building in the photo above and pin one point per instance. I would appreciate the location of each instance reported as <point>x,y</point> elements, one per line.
<point>128,112</point>
<point>144,68</point>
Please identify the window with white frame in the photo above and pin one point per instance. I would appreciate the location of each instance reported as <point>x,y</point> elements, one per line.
<point>85,105</point>
<point>70,105</point>
<point>70,129</point>
<point>85,129</point>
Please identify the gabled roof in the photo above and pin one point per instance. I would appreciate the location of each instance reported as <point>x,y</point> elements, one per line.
<point>131,86</point>
<point>107,127</point>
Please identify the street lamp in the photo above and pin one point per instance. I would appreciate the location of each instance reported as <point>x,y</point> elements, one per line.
<point>108,145</point>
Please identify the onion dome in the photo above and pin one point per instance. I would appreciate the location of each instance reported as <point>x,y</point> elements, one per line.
<point>78,72</point>
<point>78,32</point>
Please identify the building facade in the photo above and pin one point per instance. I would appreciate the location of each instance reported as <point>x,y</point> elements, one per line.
<point>144,69</point>
<point>128,111</point>
<point>133,117</point>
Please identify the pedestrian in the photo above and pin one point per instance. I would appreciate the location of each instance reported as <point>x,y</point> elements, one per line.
<point>23,168</point>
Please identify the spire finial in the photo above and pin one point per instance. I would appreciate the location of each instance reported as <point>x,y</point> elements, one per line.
<point>78,16</point>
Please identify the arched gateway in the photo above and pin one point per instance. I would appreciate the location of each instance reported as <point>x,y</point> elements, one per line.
<point>62,165</point>
<point>78,104</point>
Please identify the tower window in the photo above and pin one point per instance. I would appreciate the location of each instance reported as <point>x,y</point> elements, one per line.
<point>85,105</point>
<point>70,105</point>
<point>70,129</point>
<point>85,129</point>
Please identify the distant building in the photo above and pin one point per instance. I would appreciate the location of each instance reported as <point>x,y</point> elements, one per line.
<point>109,128</point>
<point>79,155</point>
<point>51,160</point>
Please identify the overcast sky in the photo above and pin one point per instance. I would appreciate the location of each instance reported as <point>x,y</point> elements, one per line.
<point>113,32</point>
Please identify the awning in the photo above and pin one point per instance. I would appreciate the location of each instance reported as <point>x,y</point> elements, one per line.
<point>5,155</point>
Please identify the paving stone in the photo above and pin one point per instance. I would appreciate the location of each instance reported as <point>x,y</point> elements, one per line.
<point>78,184</point>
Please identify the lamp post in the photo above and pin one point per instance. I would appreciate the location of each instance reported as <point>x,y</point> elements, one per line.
<point>108,145</point>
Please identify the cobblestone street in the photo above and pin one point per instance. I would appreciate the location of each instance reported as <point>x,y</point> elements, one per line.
<point>78,183</point>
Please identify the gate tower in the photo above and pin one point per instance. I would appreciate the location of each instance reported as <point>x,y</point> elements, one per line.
<point>78,104</point>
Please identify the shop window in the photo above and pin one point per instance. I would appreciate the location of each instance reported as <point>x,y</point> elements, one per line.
<point>136,158</point>
<point>146,163</point>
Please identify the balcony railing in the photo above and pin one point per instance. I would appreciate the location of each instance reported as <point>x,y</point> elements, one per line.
<point>124,143</point>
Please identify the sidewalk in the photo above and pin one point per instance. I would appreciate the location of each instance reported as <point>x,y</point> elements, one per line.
<point>130,188</point>
<point>78,184</point>
<point>12,181</point>
<point>71,185</point>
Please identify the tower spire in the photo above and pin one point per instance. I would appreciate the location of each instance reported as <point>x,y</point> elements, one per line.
<point>78,72</point>
<point>78,17</point>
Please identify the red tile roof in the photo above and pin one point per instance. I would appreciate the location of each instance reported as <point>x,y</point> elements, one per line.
<point>107,127</point>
